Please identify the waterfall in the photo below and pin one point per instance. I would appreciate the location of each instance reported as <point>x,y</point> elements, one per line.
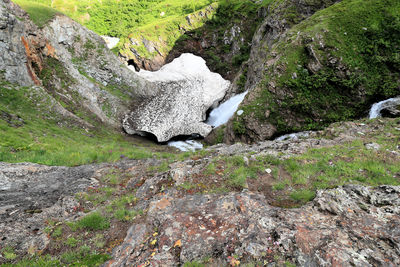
<point>218,116</point>
<point>225,111</point>
<point>377,108</point>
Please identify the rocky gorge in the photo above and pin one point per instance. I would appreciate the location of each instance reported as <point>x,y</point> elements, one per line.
<point>78,187</point>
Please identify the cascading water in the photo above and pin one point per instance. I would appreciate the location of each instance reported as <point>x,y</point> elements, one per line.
<point>111,41</point>
<point>218,117</point>
<point>188,145</point>
<point>225,111</point>
<point>377,108</point>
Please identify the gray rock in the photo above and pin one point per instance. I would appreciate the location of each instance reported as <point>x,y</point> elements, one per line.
<point>373,146</point>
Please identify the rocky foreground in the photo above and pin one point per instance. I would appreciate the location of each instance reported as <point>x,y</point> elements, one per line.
<point>182,217</point>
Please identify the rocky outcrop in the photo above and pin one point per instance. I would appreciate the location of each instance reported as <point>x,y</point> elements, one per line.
<point>187,90</point>
<point>281,16</point>
<point>224,42</point>
<point>30,194</point>
<point>15,61</point>
<point>182,221</point>
<point>351,225</point>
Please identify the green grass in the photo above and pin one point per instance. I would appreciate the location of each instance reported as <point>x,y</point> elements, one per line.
<point>94,221</point>
<point>47,138</point>
<point>118,18</point>
<point>67,259</point>
<point>39,13</point>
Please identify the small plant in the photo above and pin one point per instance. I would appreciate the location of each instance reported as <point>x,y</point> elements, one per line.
<point>124,214</point>
<point>57,232</point>
<point>9,253</point>
<point>72,242</point>
<point>94,221</point>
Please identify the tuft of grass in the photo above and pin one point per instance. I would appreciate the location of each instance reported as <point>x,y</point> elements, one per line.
<point>72,242</point>
<point>303,195</point>
<point>9,253</point>
<point>94,221</point>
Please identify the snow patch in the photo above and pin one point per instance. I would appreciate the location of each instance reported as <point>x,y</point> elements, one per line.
<point>111,41</point>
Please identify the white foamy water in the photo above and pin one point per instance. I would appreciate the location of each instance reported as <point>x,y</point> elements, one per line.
<point>218,116</point>
<point>377,108</point>
<point>293,136</point>
<point>225,111</point>
<point>189,145</point>
<point>111,41</point>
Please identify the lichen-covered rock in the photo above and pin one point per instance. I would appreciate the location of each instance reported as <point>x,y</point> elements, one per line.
<point>351,225</point>
<point>15,27</point>
<point>187,90</point>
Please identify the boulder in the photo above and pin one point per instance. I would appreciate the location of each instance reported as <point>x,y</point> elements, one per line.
<point>187,90</point>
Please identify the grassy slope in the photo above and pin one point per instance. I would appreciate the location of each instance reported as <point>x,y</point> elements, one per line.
<point>364,36</point>
<point>121,18</point>
<point>39,13</point>
<point>48,138</point>
<point>139,19</point>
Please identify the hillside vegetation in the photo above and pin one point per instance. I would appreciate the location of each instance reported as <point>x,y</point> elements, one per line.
<point>119,18</point>
<point>330,67</point>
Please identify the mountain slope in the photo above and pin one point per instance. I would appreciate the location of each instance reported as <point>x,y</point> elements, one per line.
<point>63,92</point>
<point>329,67</point>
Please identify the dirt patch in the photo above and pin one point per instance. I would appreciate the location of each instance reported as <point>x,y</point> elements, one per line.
<point>264,185</point>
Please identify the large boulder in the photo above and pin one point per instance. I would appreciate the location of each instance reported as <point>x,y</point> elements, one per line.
<point>187,90</point>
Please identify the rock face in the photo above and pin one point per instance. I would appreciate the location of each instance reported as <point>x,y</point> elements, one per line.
<point>30,194</point>
<point>71,63</point>
<point>13,36</point>
<point>351,225</point>
<point>187,90</point>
